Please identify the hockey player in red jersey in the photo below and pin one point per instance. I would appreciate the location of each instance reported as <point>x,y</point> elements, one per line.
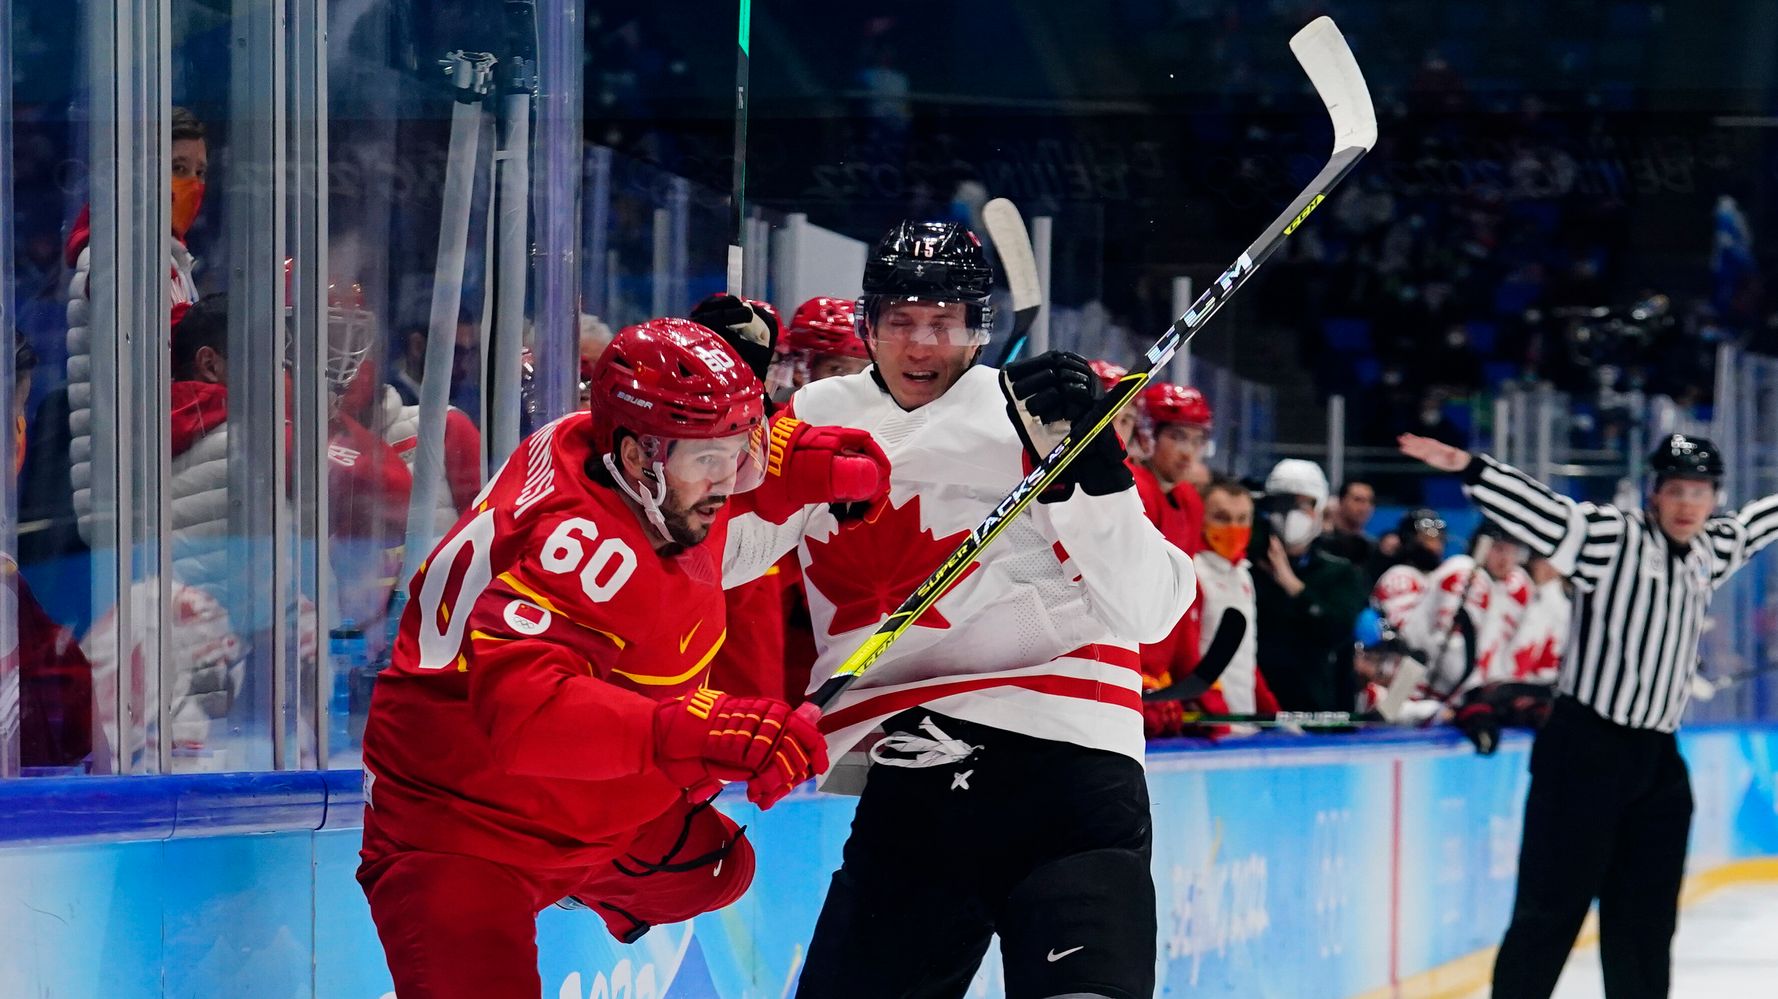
<point>1013,704</point>
<point>1129,419</point>
<point>1179,419</point>
<point>544,732</point>
<point>821,342</point>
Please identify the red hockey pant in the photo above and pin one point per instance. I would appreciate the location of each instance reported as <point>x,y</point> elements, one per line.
<point>454,925</point>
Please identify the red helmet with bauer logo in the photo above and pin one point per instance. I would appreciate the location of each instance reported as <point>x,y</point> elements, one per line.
<point>672,379</point>
<point>1167,404</point>
<point>825,326</point>
<point>692,406</point>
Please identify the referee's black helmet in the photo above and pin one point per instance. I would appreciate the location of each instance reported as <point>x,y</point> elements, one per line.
<point>1683,457</point>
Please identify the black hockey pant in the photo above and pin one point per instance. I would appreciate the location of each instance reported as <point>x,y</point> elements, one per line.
<point>1607,818</point>
<point>1045,843</point>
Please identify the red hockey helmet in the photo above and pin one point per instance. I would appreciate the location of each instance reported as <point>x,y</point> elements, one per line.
<point>1167,404</point>
<point>351,327</point>
<point>671,380</point>
<point>825,326</point>
<point>1109,374</point>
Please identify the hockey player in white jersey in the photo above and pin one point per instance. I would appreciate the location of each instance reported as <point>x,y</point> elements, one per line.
<point>1493,591</point>
<point>1002,734</point>
<point>1401,588</point>
<point>1422,609</point>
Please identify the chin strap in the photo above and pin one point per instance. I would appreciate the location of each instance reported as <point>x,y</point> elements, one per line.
<point>650,504</point>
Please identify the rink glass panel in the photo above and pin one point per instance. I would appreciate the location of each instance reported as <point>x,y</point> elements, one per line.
<point>256,517</point>
<point>71,141</point>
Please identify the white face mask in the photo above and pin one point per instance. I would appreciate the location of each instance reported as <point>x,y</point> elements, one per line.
<point>1295,528</point>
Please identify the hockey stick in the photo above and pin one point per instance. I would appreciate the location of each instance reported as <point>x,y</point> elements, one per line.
<point>738,180</point>
<point>1221,651</point>
<point>1410,673</point>
<point>1290,719</point>
<point>1328,61</point>
<point>1459,618</point>
<point>1706,688</point>
<point>1012,244</point>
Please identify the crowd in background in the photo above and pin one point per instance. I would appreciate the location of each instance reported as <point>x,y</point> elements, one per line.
<point>1503,255</point>
<point>1318,614</point>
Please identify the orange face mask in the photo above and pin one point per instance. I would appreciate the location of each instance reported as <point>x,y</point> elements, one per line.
<point>188,197</point>
<point>1228,540</point>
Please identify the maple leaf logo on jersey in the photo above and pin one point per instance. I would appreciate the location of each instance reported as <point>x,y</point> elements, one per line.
<point>867,569</point>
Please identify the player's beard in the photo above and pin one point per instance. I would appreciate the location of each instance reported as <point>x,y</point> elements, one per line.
<point>677,516</point>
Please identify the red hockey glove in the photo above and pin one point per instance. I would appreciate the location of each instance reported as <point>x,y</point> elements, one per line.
<point>1161,719</point>
<point>808,464</point>
<point>707,737</point>
<point>800,754</point>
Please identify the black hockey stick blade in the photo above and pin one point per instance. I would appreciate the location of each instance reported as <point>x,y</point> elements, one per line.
<point>1221,651</point>
<point>1012,244</point>
<point>1705,688</point>
<point>1326,59</point>
<point>1289,719</point>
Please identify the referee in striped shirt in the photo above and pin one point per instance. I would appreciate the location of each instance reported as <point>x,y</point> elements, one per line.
<point>1610,803</point>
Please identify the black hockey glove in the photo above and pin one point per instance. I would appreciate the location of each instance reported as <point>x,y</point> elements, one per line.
<point>1044,396</point>
<point>1478,721</point>
<point>751,331</point>
<point>1503,704</point>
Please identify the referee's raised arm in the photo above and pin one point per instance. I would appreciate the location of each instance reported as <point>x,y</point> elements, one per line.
<point>1577,538</point>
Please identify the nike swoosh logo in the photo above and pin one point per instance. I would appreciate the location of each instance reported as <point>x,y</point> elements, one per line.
<point>1054,957</point>
<point>683,642</point>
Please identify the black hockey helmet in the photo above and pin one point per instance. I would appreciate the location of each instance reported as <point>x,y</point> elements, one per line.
<point>931,262</point>
<point>1423,520</point>
<point>1416,531</point>
<point>1683,457</point>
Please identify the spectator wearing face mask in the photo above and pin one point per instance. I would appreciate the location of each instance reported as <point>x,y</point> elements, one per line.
<point>1306,600</point>
<point>1225,583</point>
<point>190,165</point>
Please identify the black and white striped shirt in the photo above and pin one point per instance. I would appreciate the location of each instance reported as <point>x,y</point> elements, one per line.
<point>1639,606</point>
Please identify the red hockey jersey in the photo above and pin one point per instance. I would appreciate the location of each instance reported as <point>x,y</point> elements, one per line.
<point>751,662</point>
<point>1179,515</point>
<point>516,721</point>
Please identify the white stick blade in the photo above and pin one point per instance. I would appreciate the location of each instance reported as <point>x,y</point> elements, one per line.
<point>1006,228</point>
<point>1324,55</point>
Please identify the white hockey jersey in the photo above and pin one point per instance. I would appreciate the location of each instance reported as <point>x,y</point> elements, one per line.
<point>1397,594</point>
<point>1039,637</point>
<point>1222,586</point>
<point>1497,606</point>
<point>1542,638</point>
